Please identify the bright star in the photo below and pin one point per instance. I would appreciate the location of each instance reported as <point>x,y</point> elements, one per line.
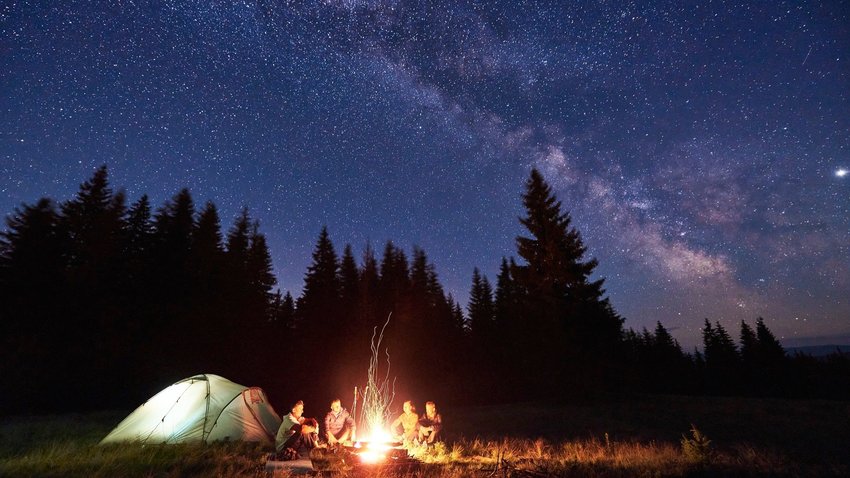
<point>841,173</point>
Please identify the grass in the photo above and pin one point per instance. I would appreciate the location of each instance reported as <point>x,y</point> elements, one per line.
<point>639,437</point>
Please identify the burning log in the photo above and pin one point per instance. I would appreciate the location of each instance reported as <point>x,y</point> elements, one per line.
<point>362,456</point>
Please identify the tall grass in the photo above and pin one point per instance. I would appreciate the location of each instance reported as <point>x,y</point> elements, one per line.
<point>642,437</point>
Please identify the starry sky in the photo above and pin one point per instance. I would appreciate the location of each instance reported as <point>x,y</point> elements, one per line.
<point>700,147</point>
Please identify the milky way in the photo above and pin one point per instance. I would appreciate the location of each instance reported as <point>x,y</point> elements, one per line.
<point>698,146</point>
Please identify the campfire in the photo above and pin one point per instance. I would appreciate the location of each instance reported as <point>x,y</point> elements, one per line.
<point>379,448</point>
<point>379,452</point>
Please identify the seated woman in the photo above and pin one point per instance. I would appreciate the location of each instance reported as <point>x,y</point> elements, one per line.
<point>304,439</point>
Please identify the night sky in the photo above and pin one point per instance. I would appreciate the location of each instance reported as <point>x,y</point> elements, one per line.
<point>700,147</point>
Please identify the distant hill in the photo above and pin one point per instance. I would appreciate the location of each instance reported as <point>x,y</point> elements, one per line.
<point>819,350</point>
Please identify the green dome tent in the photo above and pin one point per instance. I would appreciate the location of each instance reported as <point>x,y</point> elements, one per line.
<point>202,408</point>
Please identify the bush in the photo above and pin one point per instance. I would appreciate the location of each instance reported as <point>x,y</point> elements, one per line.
<point>697,449</point>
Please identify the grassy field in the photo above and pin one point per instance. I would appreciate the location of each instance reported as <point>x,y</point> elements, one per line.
<point>641,436</point>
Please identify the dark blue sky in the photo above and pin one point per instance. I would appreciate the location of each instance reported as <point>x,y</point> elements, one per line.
<point>698,145</point>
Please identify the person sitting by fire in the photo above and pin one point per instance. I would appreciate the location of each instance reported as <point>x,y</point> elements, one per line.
<point>304,438</point>
<point>408,421</point>
<point>339,426</point>
<point>430,424</point>
<point>291,423</point>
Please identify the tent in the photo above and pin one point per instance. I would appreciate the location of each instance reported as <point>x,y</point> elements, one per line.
<point>202,408</point>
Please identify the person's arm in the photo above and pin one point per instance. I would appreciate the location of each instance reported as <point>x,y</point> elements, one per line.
<point>437,424</point>
<point>396,424</point>
<point>348,427</point>
<point>328,434</point>
<point>424,423</point>
<point>312,440</point>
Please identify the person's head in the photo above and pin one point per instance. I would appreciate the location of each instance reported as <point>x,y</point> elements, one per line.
<point>298,409</point>
<point>430,407</point>
<point>336,405</point>
<point>310,425</point>
<point>408,407</point>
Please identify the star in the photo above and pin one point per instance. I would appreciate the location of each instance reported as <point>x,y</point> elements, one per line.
<point>841,173</point>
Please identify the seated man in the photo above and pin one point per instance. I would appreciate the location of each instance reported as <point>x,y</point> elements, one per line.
<point>408,421</point>
<point>305,438</point>
<point>290,424</point>
<point>430,424</point>
<point>339,426</point>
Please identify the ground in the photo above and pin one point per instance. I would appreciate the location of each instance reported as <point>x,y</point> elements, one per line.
<point>635,436</point>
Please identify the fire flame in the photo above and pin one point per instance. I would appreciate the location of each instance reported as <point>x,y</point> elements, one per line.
<point>378,394</point>
<point>377,397</point>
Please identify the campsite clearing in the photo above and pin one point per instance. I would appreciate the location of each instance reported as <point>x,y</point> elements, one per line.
<point>639,436</point>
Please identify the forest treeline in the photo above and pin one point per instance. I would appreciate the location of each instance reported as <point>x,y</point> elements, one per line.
<point>103,303</point>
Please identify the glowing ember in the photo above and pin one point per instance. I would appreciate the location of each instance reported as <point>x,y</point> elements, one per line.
<point>368,452</point>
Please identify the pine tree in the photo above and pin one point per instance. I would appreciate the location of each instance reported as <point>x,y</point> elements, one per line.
<point>260,270</point>
<point>567,320</point>
<point>722,362</point>
<point>237,255</point>
<point>139,237</point>
<point>141,312</point>
<point>206,237</point>
<point>481,310</point>
<point>458,319</point>
<point>206,260</point>
<point>422,304</point>
<point>349,283</point>
<point>666,361</point>
<point>238,240</point>
<point>772,363</point>
<point>174,227</point>
<point>770,349</point>
<point>319,303</point>
<point>92,326</point>
<point>395,283</point>
<point>368,296</point>
<point>749,346</point>
<point>32,302</point>
<point>505,301</point>
<point>175,223</point>
<point>286,311</point>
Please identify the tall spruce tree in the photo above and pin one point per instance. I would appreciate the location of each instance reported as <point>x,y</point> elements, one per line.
<point>567,320</point>
<point>349,285</point>
<point>237,272</point>
<point>749,346</point>
<point>174,227</point>
<point>481,310</point>
<point>368,301</point>
<point>770,350</point>
<point>260,273</point>
<point>505,298</point>
<point>92,325</point>
<point>32,303</point>
<point>394,283</point>
<point>722,361</point>
<point>206,260</point>
<point>318,306</point>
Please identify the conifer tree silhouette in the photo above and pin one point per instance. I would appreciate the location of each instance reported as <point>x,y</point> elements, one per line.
<point>32,302</point>
<point>567,324</point>
<point>91,325</point>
